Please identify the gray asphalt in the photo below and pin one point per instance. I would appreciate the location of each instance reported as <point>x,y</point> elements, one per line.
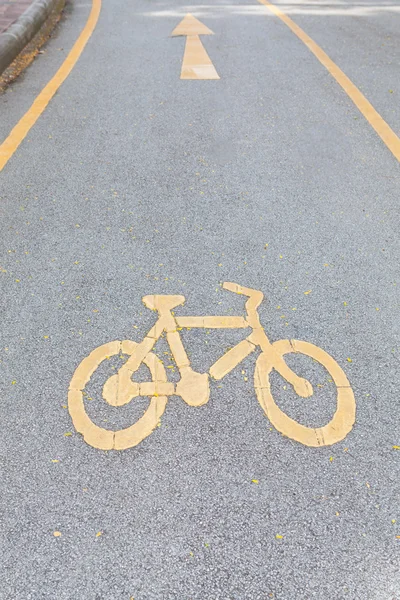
<point>134,182</point>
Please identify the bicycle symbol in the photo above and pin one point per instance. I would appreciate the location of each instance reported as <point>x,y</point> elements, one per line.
<point>193,387</point>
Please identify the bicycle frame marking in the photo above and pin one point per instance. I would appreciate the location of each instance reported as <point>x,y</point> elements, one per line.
<point>193,387</point>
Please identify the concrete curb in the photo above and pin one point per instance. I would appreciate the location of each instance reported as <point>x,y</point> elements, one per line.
<point>20,33</point>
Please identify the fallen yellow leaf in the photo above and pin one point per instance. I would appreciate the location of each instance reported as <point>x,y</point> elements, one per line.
<point>394,447</point>
<point>307,292</point>
<point>67,434</point>
<point>254,481</point>
<point>279,537</point>
<point>98,534</point>
<point>57,533</point>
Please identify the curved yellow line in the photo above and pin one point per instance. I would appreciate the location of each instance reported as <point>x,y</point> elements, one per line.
<point>21,130</point>
<point>386,134</point>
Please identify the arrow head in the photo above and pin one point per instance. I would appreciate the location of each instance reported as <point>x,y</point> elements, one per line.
<point>191,26</point>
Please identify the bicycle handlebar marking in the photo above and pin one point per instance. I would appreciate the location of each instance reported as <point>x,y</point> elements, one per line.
<point>193,387</point>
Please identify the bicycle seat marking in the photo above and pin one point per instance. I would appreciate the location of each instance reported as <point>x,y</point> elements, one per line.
<point>193,387</point>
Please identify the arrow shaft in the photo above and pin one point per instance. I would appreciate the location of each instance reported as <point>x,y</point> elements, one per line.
<point>196,63</point>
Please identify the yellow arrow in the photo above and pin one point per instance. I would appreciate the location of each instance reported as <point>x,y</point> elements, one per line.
<point>196,63</point>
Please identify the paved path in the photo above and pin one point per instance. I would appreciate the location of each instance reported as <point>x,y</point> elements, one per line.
<point>10,10</point>
<point>134,182</point>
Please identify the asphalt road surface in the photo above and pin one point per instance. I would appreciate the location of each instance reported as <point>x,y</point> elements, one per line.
<point>135,182</point>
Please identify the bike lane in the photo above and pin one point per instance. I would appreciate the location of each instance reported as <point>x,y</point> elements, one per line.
<point>133,183</point>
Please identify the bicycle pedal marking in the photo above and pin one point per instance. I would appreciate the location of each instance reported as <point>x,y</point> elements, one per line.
<point>120,388</point>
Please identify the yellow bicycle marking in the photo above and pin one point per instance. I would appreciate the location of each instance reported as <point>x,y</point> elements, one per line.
<point>193,387</point>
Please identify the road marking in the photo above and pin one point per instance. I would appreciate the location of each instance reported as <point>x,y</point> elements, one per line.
<point>191,26</point>
<point>385,132</point>
<point>193,387</point>
<point>196,63</point>
<point>21,130</point>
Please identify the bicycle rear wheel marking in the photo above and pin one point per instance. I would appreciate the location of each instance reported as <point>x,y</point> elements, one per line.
<point>106,439</point>
<point>342,421</point>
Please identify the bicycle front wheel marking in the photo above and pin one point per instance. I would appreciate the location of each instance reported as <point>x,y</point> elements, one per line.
<point>106,439</point>
<point>342,421</point>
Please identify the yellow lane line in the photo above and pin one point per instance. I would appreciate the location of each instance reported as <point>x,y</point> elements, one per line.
<point>21,130</point>
<point>386,134</point>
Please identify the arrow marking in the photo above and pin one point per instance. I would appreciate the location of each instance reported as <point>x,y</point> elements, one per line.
<point>191,26</point>
<point>196,63</point>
